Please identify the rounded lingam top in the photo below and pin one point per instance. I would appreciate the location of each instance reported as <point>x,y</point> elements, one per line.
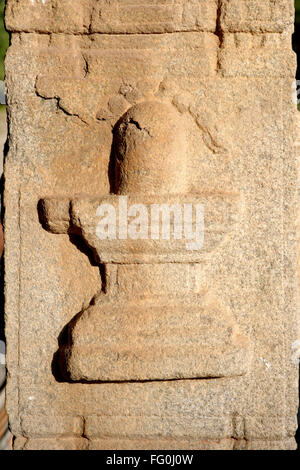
<point>150,149</point>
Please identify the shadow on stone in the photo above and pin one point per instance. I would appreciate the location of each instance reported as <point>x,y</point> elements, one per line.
<point>58,365</point>
<point>59,361</point>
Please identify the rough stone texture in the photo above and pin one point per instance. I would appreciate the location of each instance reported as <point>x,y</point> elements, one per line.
<point>122,340</point>
<point>257,16</point>
<point>111,16</point>
<point>86,320</point>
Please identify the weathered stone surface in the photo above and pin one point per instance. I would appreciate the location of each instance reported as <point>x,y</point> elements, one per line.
<point>200,113</point>
<point>58,426</point>
<point>257,55</point>
<point>157,16</point>
<point>51,444</point>
<point>127,16</point>
<point>136,73</point>
<point>48,16</point>
<point>158,340</point>
<point>257,16</point>
<point>161,444</point>
<point>288,444</point>
<point>275,428</point>
<point>155,427</point>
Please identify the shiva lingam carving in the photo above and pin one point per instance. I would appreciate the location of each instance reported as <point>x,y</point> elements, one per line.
<point>150,321</point>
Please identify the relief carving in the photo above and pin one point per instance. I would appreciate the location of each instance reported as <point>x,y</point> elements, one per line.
<point>158,337</point>
<point>150,239</point>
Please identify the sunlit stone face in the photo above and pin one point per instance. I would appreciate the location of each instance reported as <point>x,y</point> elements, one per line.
<point>150,150</point>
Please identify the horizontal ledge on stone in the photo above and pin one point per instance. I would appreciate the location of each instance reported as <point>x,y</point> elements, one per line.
<point>78,216</point>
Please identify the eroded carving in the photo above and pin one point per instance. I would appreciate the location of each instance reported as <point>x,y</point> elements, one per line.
<point>156,338</point>
<point>222,71</point>
<point>150,150</point>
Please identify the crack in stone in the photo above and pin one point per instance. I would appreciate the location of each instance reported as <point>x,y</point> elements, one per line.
<point>138,126</point>
<point>59,105</point>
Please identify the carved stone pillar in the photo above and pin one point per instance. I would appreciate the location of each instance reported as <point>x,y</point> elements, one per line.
<point>174,123</point>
